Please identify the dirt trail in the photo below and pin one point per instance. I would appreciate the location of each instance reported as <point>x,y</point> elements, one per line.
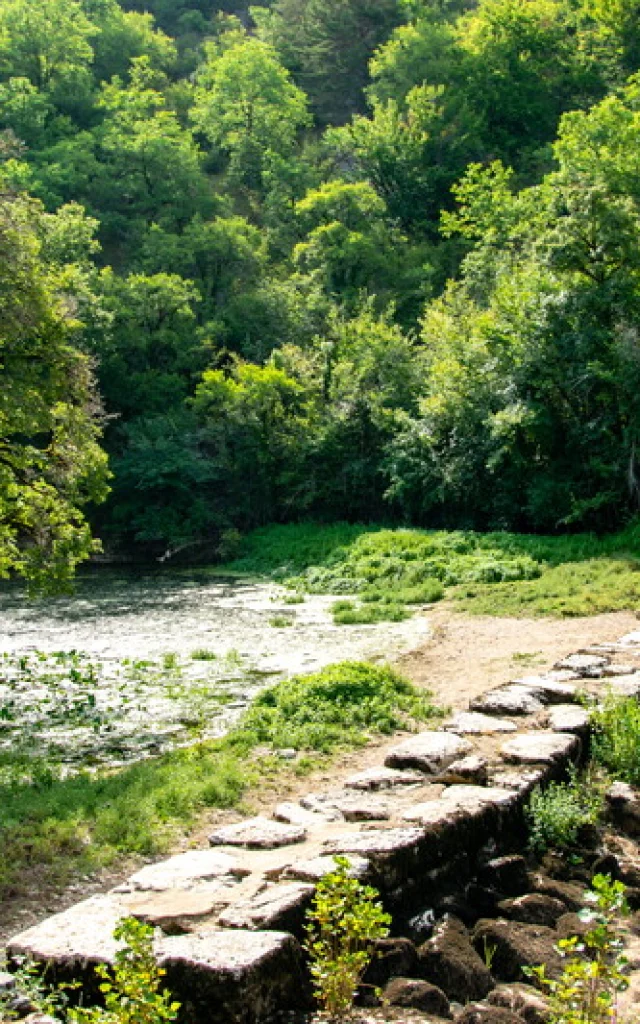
<point>463,657</point>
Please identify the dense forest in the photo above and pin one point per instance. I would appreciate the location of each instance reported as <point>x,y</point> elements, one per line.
<point>356,259</point>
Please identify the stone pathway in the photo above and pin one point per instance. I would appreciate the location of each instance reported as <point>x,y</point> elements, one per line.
<point>229,917</point>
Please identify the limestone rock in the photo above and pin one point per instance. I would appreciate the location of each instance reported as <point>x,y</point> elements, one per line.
<point>506,874</point>
<point>176,911</point>
<point>185,870</point>
<point>351,806</point>
<point>395,853</point>
<point>626,686</point>
<point>522,782</point>
<point>624,807</point>
<point>570,924</point>
<point>449,961</point>
<point>540,747</point>
<point>383,778</point>
<point>393,958</point>
<point>549,691</point>
<point>619,670</point>
<point>258,834</point>
<point>572,895</point>
<point>293,814</point>
<point>523,1000</point>
<point>533,908</point>
<point>569,718</point>
<point>481,1013</point>
<point>472,769</point>
<point>631,639</point>
<point>589,666</point>
<point>517,946</point>
<point>279,908</point>
<point>417,995</point>
<point>507,700</point>
<point>239,976</point>
<point>313,869</point>
<point>429,752</point>
<point>473,723</point>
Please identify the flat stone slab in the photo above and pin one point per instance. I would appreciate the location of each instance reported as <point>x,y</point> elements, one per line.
<point>294,814</point>
<point>352,806</point>
<point>377,843</point>
<point>240,976</point>
<point>549,691</point>
<point>315,868</point>
<point>625,686</point>
<point>620,670</point>
<point>587,665</point>
<point>179,910</point>
<point>522,782</point>
<point>458,801</point>
<point>473,723</point>
<point>258,834</point>
<point>184,871</point>
<point>631,639</point>
<point>540,748</point>
<point>507,700</point>
<point>383,778</point>
<point>429,752</point>
<point>83,934</point>
<point>569,718</point>
<point>280,907</point>
<point>471,769</point>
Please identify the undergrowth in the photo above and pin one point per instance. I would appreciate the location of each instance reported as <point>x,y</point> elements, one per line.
<point>616,737</point>
<point>491,573</point>
<point>55,826</point>
<point>557,815</point>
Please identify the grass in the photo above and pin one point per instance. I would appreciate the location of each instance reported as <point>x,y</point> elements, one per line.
<point>616,737</point>
<point>487,574</point>
<point>557,815</point>
<point>53,828</point>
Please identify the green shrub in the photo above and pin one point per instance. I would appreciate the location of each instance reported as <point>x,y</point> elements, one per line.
<point>341,704</point>
<point>556,814</point>
<point>616,737</point>
<point>345,920</point>
<point>345,613</point>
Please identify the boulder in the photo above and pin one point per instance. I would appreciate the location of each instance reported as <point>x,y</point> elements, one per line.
<point>449,961</point>
<point>258,834</point>
<point>293,814</point>
<point>392,958</point>
<point>506,874</point>
<point>396,854</point>
<point>549,690</point>
<point>569,893</point>
<point>417,995</point>
<point>571,924</point>
<point>482,1013</point>
<point>429,752</point>
<point>623,802</point>
<point>472,769</point>
<point>533,908</point>
<point>550,748</point>
<point>523,1000</point>
<point>626,686</point>
<point>351,806</point>
<point>513,946</point>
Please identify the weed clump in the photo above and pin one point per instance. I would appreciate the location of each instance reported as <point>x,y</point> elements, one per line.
<point>616,737</point>
<point>557,814</point>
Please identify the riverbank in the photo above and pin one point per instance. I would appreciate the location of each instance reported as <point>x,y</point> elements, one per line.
<point>462,657</point>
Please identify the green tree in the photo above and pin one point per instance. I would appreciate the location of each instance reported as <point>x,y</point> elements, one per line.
<point>50,461</point>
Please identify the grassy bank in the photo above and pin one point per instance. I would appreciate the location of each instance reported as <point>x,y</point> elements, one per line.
<point>53,828</point>
<point>382,572</point>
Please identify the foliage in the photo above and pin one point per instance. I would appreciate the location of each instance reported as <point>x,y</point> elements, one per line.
<point>345,920</point>
<point>344,703</point>
<point>616,737</point>
<point>131,989</point>
<point>586,991</point>
<point>556,815</point>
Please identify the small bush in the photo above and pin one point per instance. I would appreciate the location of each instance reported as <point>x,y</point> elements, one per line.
<point>344,922</point>
<point>341,704</point>
<point>556,815</point>
<point>202,654</point>
<point>616,737</point>
<point>281,621</point>
<point>345,613</point>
